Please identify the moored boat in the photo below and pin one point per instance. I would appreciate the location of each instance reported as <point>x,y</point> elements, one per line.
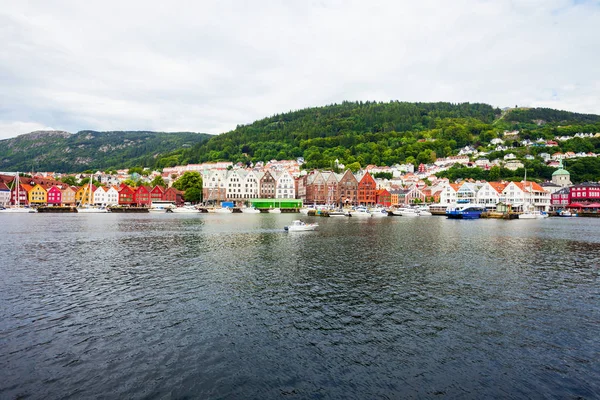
<point>379,212</point>
<point>185,210</point>
<point>250,210</point>
<point>275,210</point>
<point>466,212</point>
<point>359,212</point>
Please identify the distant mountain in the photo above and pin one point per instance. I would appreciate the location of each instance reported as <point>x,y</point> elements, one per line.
<point>66,152</point>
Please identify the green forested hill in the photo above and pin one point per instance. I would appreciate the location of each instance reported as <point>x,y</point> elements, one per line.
<point>388,133</point>
<point>66,152</point>
<point>363,132</point>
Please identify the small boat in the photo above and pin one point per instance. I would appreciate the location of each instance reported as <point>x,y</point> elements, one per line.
<point>306,210</point>
<point>300,226</point>
<point>184,210</point>
<point>223,210</point>
<point>158,209</point>
<point>359,212</point>
<point>533,215</point>
<point>565,213</point>
<point>336,213</point>
<point>92,210</point>
<point>18,210</point>
<point>379,212</point>
<point>409,212</point>
<point>424,211</point>
<point>250,210</point>
<point>275,210</point>
<point>466,212</point>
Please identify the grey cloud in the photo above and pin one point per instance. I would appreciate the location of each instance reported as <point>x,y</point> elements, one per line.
<point>209,66</point>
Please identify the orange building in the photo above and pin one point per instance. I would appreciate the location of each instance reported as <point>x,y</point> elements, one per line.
<point>367,188</point>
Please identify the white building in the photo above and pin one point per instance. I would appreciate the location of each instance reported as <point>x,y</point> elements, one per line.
<point>284,186</point>
<point>519,193</point>
<point>214,184</point>
<point>4,194</point>
<point>252,185</point>
<point>234,184</point>
<point>490,194</point>
<point>100,196</point>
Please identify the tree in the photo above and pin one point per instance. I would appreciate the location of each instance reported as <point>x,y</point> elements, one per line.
<point>158,181</point>
<point>69,180</point>
<point>188,180</point>
<point>193,194</point>
<point>131,183</point>
<point>354,167</point>
<point>494,174</point>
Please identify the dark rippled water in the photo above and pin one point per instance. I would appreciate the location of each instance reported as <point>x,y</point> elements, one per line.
<point>210,306</point>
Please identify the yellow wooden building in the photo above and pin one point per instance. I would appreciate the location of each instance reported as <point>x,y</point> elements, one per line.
<point>38,195</point>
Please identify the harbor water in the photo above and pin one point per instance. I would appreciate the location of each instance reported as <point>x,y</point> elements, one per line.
<point>231,306</point>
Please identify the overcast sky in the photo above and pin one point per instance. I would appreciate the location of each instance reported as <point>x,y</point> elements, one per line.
<point>206,66</point>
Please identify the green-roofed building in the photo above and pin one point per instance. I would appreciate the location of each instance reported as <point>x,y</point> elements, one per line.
<point>561,176</point>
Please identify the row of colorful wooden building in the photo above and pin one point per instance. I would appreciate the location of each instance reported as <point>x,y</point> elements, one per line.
<point>48,192</point>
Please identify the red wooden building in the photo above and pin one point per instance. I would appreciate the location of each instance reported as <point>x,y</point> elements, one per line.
<point>157,193</point>
<point>126,195</point>
<point>141,196</point>
<point>367,187</point>
<point>174,195</point>
<point>384,198</point>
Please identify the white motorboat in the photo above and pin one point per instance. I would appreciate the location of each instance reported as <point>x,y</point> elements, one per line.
<point>223,210</point>
<point>184,210</point>
<point>409,212</point>
<point>93,210</point>
<point>565,213</point>
<point>300,226</point>
<point>533,215</point>
<point>250,210</point>
<point>159,209</point>
<point>359,212</point>
<point>424,211</point>
<point>275,210</point>
<point>336,213</point>
<point>18,210</point>
<point>379,212</point>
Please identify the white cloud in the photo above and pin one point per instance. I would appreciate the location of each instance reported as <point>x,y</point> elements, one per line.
<point>208,66</point>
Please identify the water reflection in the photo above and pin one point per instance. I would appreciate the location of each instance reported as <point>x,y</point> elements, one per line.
<point>233,306</point>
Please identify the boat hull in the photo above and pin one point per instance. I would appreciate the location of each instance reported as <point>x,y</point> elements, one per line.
<point>465,215</point>
<point>18,211</point>
<point>92,210</point>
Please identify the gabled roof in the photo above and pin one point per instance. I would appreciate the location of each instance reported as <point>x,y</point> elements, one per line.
<point>529,185</point>
<point>498,186</point>
<point>26,187</point>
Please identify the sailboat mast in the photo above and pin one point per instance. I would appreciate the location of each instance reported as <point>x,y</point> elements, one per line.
<point>18,200</point>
